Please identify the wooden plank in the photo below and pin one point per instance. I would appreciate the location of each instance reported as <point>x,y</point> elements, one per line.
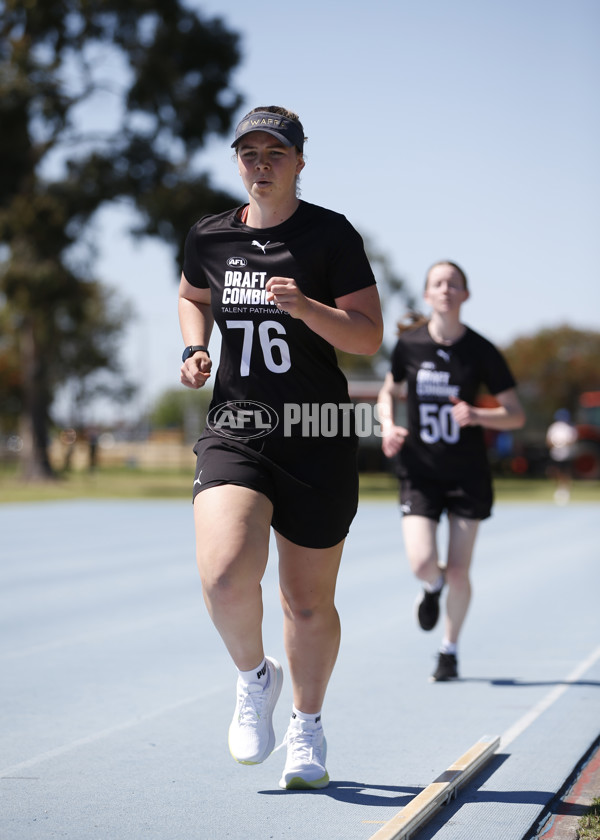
<point>440,791</point>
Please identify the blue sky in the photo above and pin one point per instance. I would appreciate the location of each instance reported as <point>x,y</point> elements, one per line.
<point>461,130</point>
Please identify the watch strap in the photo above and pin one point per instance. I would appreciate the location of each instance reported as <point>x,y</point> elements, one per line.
<point>194,348</point>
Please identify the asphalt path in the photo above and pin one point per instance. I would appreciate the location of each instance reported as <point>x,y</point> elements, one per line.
<point>117,692</point>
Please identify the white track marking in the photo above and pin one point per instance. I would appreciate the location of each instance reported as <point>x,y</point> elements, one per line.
<point>104,733</point>
<point>534,713</point>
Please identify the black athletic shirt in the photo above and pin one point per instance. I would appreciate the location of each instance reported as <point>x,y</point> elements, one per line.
<point>436,447</point>
<point>266,355</point>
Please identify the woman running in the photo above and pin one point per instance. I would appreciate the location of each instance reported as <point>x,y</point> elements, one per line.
<point>441,458</point>
<point>286,282</point>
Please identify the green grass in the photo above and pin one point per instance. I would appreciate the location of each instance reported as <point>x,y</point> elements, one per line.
<point>384,486</point>
<point>130,483</point>
<point>103,484</point>
<point>589,825</point>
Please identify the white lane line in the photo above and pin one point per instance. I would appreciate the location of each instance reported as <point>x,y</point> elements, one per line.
<point>529,717</point>
<point>105,733</point>
<point>100,635</point>
<point>420,809</point>
<point>507,737</point>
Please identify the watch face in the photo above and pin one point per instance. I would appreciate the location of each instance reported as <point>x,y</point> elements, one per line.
<point>189,351</point>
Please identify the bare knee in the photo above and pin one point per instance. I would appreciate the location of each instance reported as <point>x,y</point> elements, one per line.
<point>457,577</point>
<point>298,610</point>
<point>303,610</point>
<point>424,566</point>
<point>223,584</point>
<point>217,582</point>
<point>421,546</point>
<point>301,614</point>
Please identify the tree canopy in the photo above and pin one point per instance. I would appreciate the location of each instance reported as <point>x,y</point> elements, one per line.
<point>393,290</point>
<point>156,75</point>
<point>553,367</point>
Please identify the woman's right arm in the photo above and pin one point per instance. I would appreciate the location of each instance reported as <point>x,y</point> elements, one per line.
<point>196,321</point>
<point>392,436</point>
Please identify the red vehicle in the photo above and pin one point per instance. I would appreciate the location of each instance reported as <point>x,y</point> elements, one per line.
<point>587,449</point>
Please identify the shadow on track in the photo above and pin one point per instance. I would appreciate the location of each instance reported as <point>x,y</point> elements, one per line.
<point>516,683</point>
<point>356,793</point>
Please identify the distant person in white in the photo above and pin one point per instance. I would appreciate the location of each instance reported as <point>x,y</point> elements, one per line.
<point>560,439</point>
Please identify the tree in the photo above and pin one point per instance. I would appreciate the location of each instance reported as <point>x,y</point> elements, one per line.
<point>392,289</point>
<point>552,368</point>
<point>81,336</point>
<point>10,379</point>
<point>90,362</point>
<point>183,410</point>
<point>167,71</point>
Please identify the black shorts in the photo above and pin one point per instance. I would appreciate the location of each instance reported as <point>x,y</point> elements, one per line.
<point>312,484</point>
<point>471,497</point>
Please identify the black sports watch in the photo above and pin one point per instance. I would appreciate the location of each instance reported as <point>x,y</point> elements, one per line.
<point>193,348</point>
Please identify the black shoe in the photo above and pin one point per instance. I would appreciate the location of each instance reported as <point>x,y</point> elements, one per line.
<point>447,668</point>
<point>427,609</point>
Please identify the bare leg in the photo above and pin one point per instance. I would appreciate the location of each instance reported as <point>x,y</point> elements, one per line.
<point>232,546</point>
<point>307,578</point>
<point>463,533</point>
<point>420,543</point>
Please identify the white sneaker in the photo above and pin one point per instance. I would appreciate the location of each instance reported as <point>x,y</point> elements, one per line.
<point>306,755</point>
<point>251,734</point>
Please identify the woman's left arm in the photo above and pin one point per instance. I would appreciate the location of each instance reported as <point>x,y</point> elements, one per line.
<point>354,325</point>
<point>508,415</point>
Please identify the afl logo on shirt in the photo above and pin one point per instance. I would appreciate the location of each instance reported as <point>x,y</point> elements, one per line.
<point>237,262</point>
<point>242,419</point>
